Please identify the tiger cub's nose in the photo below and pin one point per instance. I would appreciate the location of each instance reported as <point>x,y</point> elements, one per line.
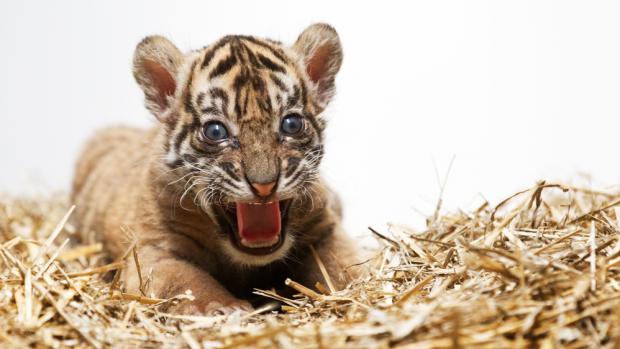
<point>263,189</point>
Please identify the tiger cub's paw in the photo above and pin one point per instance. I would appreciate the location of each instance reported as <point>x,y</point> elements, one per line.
<point>213,307</point>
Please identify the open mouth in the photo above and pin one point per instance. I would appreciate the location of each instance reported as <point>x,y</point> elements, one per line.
<point>255,228</point>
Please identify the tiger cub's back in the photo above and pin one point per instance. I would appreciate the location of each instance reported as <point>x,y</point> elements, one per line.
<point>110,167</point>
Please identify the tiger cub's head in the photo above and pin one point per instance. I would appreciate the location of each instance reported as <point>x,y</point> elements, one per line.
<point>244,128</point>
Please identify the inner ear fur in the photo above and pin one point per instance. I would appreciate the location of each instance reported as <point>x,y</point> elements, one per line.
<point>321,52</point>
<point>155,65</point>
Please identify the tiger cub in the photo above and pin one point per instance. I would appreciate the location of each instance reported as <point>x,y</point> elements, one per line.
<point>223,195</point>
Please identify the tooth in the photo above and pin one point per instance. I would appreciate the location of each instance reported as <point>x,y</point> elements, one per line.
<point>260,244</point>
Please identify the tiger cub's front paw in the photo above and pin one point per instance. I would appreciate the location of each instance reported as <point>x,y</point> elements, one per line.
<point>213,307</point>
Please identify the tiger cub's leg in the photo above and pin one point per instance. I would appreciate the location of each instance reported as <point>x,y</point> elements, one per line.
<point>172,275</point>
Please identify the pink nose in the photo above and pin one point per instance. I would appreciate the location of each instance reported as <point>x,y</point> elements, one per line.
<point>264,189</point>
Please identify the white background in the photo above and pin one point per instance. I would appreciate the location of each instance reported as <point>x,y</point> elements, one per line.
<point>514,91</point>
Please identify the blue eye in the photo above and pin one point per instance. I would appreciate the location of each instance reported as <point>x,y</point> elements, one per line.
<point>215,131</point>
<point>292,124</point>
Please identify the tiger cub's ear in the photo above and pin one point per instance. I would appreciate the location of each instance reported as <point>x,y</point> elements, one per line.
<point>155,64</point>
<point>319,47</point>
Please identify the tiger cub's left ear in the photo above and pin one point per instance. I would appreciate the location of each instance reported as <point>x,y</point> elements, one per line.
<point>155,65</point>
<point>319,46</point>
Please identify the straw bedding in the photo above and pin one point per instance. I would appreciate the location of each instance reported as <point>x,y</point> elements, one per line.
<point>539,269</point>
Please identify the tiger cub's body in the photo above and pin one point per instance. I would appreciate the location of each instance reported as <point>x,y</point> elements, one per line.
<point>223,196</point>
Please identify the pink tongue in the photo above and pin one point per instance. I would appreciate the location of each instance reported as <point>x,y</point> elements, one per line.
<point>258,222</point>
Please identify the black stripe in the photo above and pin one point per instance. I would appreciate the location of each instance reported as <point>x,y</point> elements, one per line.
<point>181,137</point>
<point>266,105</point>
<point>200,99</point>
<point>304,102</point>
<point>213,110</point>
<point>276,52</point>
<point>294,98</point>
<point>304,95</point>
<point>188,104</point>
<point>269,64</point>
<point>229,168</point>
<point>229,182</point>
<point>218,93</point>
<point>223,66</point>
<point>293,163</point>
<point>246,100</point>
<point>314,124</point>
<point>304,143</point>
<point>204,149</point>
<point>213,49</point>
<point>258,83</point>
<point>239,82</point>
<point>279,103</point>
<point>278,83</point>
<point>296,176</point>
<point>251,57</point>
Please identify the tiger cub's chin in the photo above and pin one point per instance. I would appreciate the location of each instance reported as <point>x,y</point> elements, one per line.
<point>246,258</point>
<point>241,118</point>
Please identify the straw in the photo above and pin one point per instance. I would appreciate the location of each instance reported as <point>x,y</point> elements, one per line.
<point>539,269</point>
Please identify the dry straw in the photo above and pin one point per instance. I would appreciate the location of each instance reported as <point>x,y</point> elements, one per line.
<point>540,269</point>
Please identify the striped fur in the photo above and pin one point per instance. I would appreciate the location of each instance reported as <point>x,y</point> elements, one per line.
<point>249,84</point>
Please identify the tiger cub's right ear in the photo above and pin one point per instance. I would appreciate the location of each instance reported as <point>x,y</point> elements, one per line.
<point>155,65</point>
